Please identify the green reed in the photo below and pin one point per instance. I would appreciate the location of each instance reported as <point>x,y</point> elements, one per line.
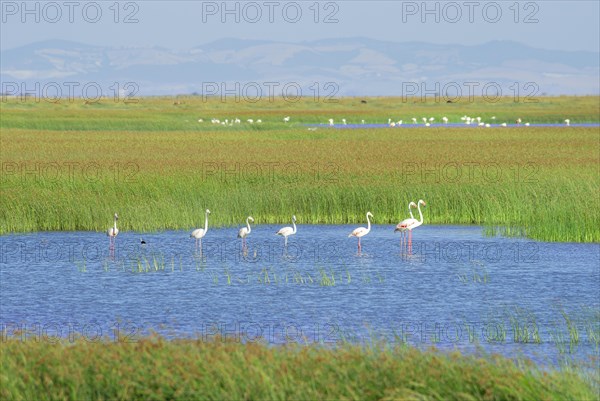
<point>155,368</point>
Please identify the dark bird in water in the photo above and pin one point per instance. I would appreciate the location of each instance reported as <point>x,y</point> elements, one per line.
<point>143,242</point>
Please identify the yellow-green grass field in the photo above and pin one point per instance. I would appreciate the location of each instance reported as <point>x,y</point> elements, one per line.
<point>70,165</point>
<point>152,368</point>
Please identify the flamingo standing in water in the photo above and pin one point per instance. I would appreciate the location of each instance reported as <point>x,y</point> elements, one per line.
<point>362,231</point>
<point>199,233</point>
<point>402,227</point>
<point>112,233</point>
<point>412,223</point>
<point>287,231</point>
<point>245,231</point>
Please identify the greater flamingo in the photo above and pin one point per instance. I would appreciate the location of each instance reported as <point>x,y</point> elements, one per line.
<point>245,231</point>
<point>402,226</point>
<point>199,233</point>
<point>287,231</point>
<point>112,233</point>
<point>412,223</point>
<point>362,231</point>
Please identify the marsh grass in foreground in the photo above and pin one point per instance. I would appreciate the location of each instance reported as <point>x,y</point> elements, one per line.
<point>153,368</point>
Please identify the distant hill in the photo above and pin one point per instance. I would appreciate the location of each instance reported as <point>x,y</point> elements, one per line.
<point>356,66</point>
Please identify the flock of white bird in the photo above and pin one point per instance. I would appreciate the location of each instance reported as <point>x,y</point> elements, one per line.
<point>405,226</point>
<point>428,121</point>
<point>425,121</point>
<point>232,122</point>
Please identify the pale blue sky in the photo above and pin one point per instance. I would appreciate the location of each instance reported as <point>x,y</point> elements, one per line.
<point>561,25</point>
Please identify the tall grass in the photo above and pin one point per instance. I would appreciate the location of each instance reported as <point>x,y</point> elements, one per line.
<point>159,168</point>
<point>154,368</point>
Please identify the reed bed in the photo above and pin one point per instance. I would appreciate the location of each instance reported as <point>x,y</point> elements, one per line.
<point>153,368</point>
<point>71,166</point>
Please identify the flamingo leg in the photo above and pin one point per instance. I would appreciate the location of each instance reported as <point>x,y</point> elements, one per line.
<point>285,243</point>
<point>402,241</point>
<point>410,241</point>
<point>111,247</point>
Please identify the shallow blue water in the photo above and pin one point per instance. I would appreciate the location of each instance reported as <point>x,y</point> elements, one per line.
<point>457,288</point>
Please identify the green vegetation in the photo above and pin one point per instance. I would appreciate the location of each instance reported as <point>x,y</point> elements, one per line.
<point>153,368</point>
<point>70,166</point>
<point>271,275</point>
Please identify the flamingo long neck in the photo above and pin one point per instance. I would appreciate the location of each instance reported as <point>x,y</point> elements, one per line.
<point>420,213</point>
<point>115,224</point>
<point>410,211</point>
<point>294,224</point>
<point>248,225</point>
<point>205,222</point>
<point>368,223</point>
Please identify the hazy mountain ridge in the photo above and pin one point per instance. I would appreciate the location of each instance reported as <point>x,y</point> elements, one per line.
<point>358,66</point>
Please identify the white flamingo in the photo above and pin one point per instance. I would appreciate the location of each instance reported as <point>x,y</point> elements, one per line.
<point>362,231</point>
<point>411,224</point>
<point>199,233</point>
<point>567,122</point>
<point>402,227</point>
<point>287,231</point>
<point>245,231</point>
<point>113,232</point>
